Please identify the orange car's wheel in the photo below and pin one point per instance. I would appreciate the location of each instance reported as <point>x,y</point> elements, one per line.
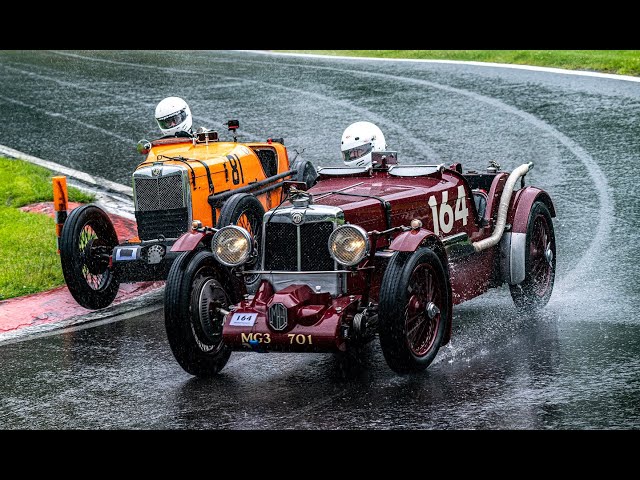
<point>246,211</point>
<point>86,242</point>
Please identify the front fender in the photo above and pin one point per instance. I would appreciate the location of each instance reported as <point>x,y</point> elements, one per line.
<point>189,241</point>
<point>410,241</point>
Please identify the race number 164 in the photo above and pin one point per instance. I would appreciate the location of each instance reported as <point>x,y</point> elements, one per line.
<point>444,215</point>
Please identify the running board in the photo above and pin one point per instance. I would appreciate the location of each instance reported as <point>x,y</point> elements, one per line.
<point>458,246</point>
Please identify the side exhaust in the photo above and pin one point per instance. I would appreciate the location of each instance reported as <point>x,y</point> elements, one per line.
<point>503,208</point>
<point>60,205</point>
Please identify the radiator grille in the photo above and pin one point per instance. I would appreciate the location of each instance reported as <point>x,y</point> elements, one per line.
<point>161,206</point>
<point>160,193</point>
<point>281,246</point>
<point>314,238</point>
<point>167,223</point>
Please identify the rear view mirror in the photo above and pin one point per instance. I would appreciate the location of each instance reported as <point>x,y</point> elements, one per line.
<point>143,147</point>
<point>288,184</point>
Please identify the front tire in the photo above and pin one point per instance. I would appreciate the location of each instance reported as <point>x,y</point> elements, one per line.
<point>534,291</point>
<point>414,310</point>
<point>246,211</point>
<point>86,242</point>
<point>196,288</point>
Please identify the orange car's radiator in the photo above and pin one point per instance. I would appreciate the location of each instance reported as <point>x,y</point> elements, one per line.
<point>162,197</point>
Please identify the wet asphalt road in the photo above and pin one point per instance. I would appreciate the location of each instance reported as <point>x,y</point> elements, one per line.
<point>575,366</point>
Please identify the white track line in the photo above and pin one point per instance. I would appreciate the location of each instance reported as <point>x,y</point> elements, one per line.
<point>68,119</point>
<point>112,197</point>
<point>534,68</point>
<point>98,182</point>
<point>418,144</point>
<point>151,106</point>
<point>606,211</point>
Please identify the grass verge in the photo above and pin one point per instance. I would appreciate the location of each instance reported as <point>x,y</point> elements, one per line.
<point>622,62</point>
<point>28,259</point>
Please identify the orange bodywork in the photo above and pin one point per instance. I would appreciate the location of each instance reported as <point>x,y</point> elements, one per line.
<point>231,166</point>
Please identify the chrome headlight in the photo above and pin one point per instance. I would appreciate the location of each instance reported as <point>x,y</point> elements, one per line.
<point>231,245</point>
<point>349,244</point>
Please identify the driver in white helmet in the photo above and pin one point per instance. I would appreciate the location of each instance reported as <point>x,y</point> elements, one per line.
<point>358,141</point>
<point>174,117</point>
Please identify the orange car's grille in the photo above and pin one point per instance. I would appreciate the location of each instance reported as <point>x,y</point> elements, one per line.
<point>166,223</point>
<point>162,208</point>
<point>160,193</point>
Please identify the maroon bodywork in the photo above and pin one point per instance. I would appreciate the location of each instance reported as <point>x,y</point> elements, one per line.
<point>315,320</point>
<point>188,241</point>
<point>381,203</point>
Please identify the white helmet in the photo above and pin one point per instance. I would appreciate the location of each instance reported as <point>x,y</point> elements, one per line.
<point>358,141</point>
<point>173,115</point>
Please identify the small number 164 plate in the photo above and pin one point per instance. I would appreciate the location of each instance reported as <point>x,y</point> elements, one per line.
<point>243,319</point>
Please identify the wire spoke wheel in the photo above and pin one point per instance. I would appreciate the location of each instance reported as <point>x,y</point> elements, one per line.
<point>413,310</point>
<point>246,211</point>
<point>253,225</point>
<point>90,255</point>
<point>540,265</point>
<point>535,290</point>
<point>86,243</point>
<point>421,319</point>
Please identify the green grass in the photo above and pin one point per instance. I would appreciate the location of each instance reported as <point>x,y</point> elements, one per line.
<point>623,62</point>
<point>28,259</point>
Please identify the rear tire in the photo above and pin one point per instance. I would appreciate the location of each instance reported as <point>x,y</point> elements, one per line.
<point>414,310</point>
<point>86,242</point>
<point>534,291</point>
<point>246,211</point>
<point>195,288</point>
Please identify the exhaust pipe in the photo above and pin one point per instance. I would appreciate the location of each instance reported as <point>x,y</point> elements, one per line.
<point>503,209</point>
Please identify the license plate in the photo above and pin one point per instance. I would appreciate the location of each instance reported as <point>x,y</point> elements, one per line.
<point>243,319</point>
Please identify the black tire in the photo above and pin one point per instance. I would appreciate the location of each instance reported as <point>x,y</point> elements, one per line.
<point>534,291</point>
<point>86,242</point>
<point>413,283</point>
<point>307,173</point>
<point>246,211</point>
<point>195,287</point>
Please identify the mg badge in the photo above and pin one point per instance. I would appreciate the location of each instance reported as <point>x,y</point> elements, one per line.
<point>278,317</point>
<point>297,218</point>
<point>156,171</point>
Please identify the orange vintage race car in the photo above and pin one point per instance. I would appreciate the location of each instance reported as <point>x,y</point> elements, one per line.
<point>183,182</point>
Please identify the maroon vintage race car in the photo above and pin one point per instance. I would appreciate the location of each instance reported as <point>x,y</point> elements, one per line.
<point>384,251</point>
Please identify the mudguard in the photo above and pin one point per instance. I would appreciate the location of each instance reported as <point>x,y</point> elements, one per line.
<point>189,241</point>
<point>514,242</point>
<point>410,241</point>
